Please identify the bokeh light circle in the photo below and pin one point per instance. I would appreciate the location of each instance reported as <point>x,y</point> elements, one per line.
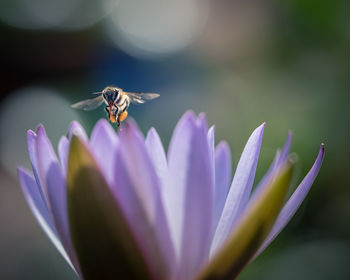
<point>156,27</point>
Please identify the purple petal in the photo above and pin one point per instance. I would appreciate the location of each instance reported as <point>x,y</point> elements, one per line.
<point>103,143</point>
<point>39,209</point>
<point>198,202</point>
<point>157,154</point>
<point>54,183</point>
<point>31,142</point>
<point>137,189</point>
<point>211,138</point>
<point>63,150</point>
<point>76,129</point>
<point>211,141</point>
<point>189,184</point>
<point>178,164</point>
<point>294,201</point>
<point>280,158</point>
<point>202,121</point>
<point>241,186</point>
<point>286,148</point>
<point>223,173</point>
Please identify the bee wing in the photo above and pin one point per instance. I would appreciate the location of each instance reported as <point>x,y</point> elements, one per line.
<point>141,97</point>
<point>89,104</point>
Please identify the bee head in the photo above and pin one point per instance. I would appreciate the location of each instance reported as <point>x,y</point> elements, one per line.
<point>111,94</point>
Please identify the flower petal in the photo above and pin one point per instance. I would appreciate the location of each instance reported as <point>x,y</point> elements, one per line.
<point>31,142</point>
<point>223,173</point>
<point>188,194</point>
<point>137,188</point>
<point>286,147</point>
<point>63,150</point>
<point>174,191</point>
<point>251,229</point>
<point>211,142</point>
<point>75,128</point>
<point>39,209</point>
<point>294,201</point>
<point>240,188</point>
<point>98,226</point>
<point>103,142</point>
<point>198,203</point>
<point>157,154</point>
<point>54,183</point>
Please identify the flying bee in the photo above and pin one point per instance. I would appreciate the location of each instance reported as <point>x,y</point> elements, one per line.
<point>117,102</point>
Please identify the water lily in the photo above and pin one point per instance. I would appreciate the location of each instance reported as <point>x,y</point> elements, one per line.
<point>117,207</point>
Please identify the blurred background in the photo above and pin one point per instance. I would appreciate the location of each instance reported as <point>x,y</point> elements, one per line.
<point>242,62</point>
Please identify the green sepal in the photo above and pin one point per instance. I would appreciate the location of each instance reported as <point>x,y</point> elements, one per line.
<point>102,239</point>
<point>251,230</point>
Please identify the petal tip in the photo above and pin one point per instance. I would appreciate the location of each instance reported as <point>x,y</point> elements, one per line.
<point>102,122</point>
<point>72,126</point>
<point>188,115</point>
<point>322,151</point>
<point>260,128</point>
<point>202,122</point>
<point>289,138</point>
<point>131,129</point>
<point>130,126</point>
<point>152,132</point>
<point>76,128</point>
<point>189,112</point>
<point>202,117</point>
<point>41,133</point>
<point>31,134</point>
<point>74,123</point>
<point>40,130</point>
<point>62,138</point>
<point>223,145</point>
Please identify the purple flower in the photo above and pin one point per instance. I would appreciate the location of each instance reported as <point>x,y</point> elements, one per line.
<point>116,207</point>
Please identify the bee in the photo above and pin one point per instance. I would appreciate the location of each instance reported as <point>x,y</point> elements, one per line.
<point>117,102</point>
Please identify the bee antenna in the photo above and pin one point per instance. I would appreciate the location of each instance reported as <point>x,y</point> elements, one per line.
<point>97,92</point>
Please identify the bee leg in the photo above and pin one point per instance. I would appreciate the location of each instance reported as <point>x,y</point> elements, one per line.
<point>118,121</point>
<point>107,111</point>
